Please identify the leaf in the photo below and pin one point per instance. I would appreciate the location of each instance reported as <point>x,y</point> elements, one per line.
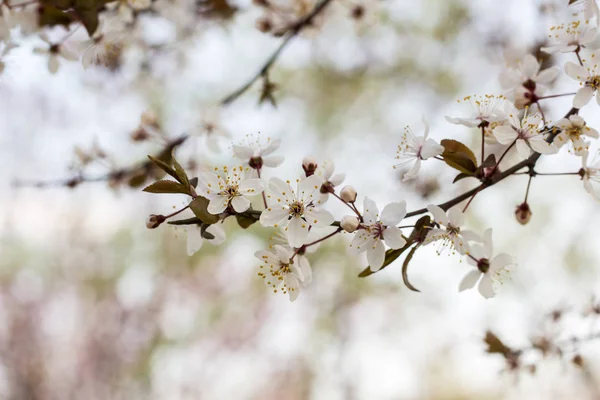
<point>390,256</point>
<point>490,161</point>
<point>405,269</point>
<point>495,345</point>
<point>206,235</point>
<point>421,229</point>
<point>459,156</point>
<point>137,180</point>
<point>199,207</point>
<point>244,221</point>
<point>462,176</point>
<point>187,221</point>
<point>164,166</point>
<point>167,187</point>
<point>180,172</point>
<point>50,15</point>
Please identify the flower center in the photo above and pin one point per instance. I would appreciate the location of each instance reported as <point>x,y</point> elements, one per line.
<point>376,230</point>
<point>256,162</point>
<point>452,230</point>
<point>574,132</point>
<point>296,209</point>
<point>594,82</point>
<point>230,191</point>
<point>483,265</point>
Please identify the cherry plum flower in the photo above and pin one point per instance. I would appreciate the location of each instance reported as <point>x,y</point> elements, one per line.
<point>450,232</point>
<point>486,110</point>
<point>377,229</point>
<point>573,128</point>
<point>588,77</point>
<point>295,211</point>
<point>54,52</point>
<point>330,180</point>
<point>570,37</point>
<point>526,82</point>
<point>229,187</point>
<point>590,173</point>
<point>525,133</point>
<point>490,270</point>
<point>195,237</point>
<point>414,149</point>
<point>279,271</point>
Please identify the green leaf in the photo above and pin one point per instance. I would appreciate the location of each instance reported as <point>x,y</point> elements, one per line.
<point>180,172</point>
<point>420,230</point>
<point>462,176</point>
<point>137,180</point>
<point>199,207</point>
<point>164,166</point>
<point>49,15</point>
<point>204,234</point>
<point>459,156</point>
<point>187,221</point>
<point>167,187</point>
<point>89,19</point>
<point>244,221</point>
<point>405,269</point>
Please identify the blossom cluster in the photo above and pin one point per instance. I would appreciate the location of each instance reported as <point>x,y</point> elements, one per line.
<point>297,207</point>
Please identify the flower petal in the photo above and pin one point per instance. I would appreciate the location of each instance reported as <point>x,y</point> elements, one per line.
<point>522,148</point>
<point>240,204</point>
<point>217,205</point>
<point>371,212</point>
<point>307,188</point>
<point>455,217</point>
<point>505,134</point>
<point>243,152</point>
<point>304,266</point>
<point>576,71</point>
<point>486,288</point>
<point>376,255</point>
<point>393,237</point>
<point>273,216</point>
<point>297,231</point>
<point>273,161</point>
<point>271,147</point>
<point>469,280</point>
<point>583,96</point>
<point>194,240</point>
<point>393,213</point>
<point>317,217</point>
<point>252,186</point>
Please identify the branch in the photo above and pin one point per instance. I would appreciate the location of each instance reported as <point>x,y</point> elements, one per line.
<point>290,32</point>
<point>116,174</point>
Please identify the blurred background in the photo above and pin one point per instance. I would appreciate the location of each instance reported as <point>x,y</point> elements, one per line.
<point>95,306</point>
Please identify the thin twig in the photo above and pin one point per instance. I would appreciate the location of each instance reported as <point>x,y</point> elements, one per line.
<point>290,32</point>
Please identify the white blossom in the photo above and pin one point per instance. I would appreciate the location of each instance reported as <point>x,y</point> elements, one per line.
<point>486,110</point>
<point>590,9</point>
<point>54,51</point>
<point>573,128</point>
<point>526,82</point>
<point>279,271</point>
<point>304,269</point>
<point>525,131</point>
<point>450,232</point>
<point>492,270</point>
<point>294,211</point>
<point>375,230</point>
<point>414,149</point>
<point>210,129</point>
<point>258,155</point>
<point>588,77</point>
<point>103,47</point>
<point>330,181</point>
<point>591,173</point>
<point>229,187</point>
<point>349,223</point>
<point>570,37</point>
<point>195,239</point>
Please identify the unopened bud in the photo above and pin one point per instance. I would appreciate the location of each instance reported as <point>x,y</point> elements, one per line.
<point>309,165</point>
<point>149,118</point>
<point>154,221</point>
<point>523,213</point>
<point>348,194</point>
<point>349,223</point>
<point>264,25</point>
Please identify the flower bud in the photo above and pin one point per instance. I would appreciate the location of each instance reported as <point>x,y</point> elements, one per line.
<point>309,165</point>
<point>149,118</point>
<point>348,194</point>
<point>154,221</point>
<point>349,223</point>
<point>523,213</point>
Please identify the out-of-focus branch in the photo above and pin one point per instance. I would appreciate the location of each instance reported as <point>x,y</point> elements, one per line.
<point>114,175</point>
<point>289,33</point>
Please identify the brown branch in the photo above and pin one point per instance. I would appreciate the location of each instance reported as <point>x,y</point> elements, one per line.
<point>116,174</point>
<point>289,32</point>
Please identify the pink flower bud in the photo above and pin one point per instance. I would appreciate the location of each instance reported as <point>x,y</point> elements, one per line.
<point>349,223</point>
<point>309,165</point>
<point>154,221</point>
<point>523,213</point>
<point>348,194</point>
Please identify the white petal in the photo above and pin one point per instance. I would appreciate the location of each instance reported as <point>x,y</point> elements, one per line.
<point>305,269</point>
<point>439,215</point>
<point>548,75</point>
<point>281,190</point>
<point>359,242</point>
<point>283,254</point>
<point>563,123</point>
<point>540,145</point>
<point>307,188</point>
<point>273,216</point>
<point>217,231</point>
<point>376,255</point>
<point>469,280</point>
<point>393,213</point>
<point>583,96</point>
<point>505,134</point>
<point>522,148</point>
<point>413,172</point>
<point>252,186</point>
<point>337,179</point>
<point>455,217</point>
<point>68,54</point>
<point>273,161</point>
<point>512,114</point>
<point>371,212</point>
<point>297,231</point>
<point>271,147</point>
<point>318,218</point>
<point>488,245</point>
<point>293,286</point>
<point>434,235</point>
<point>240,204</point>
<point>486,289</point>
<point>243,152</point>
<point>217,205</point>
<point>530,66</point>
<point>431,148</point>
<point>53,63</point>
<point>194,240</point>
<point>576,71</point>
<point>393,237</point>
<point>470,236</point>
<point>501,261</point>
